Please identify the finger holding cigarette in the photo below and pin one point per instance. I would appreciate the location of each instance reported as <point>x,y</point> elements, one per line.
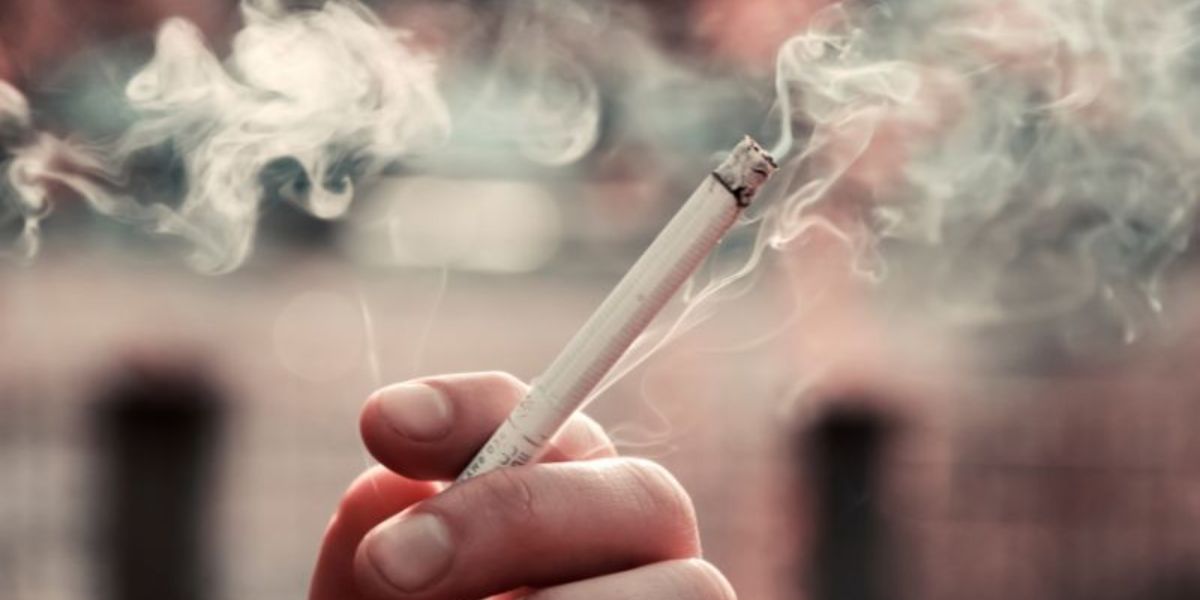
<point>596,529</point>
<point>537,527</point>
<point>427,429</point>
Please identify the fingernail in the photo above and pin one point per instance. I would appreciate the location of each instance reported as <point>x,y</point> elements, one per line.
<point>411,553</point>
<point>417,411</point>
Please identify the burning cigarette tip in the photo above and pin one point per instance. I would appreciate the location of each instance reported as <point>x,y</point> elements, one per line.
<point>745,170</point>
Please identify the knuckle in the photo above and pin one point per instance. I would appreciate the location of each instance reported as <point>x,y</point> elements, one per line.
<point>698,578</point>
<point>588,439</point>
<point>351,503</point>
<point>664,497</point>
<point>506,494</point>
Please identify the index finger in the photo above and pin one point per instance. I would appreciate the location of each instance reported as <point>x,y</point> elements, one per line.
<point>430,428</point>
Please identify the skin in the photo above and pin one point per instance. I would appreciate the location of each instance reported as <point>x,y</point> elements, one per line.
<point>583,524</point>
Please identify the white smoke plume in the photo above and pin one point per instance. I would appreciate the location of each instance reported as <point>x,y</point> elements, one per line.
<point>22,203</point>
<point>1020,160</point>
<point>534,93</point>
<point>32,164</point>
<point>333,91</point>
<point>1027,163</point>
<point>1032,159</point>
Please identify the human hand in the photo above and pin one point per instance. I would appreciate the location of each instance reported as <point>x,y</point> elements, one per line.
<point>582,524</point>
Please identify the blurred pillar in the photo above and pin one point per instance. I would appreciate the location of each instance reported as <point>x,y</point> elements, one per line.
<point>850,555</point>
<point>158,425</point>
<point>1179,585</point>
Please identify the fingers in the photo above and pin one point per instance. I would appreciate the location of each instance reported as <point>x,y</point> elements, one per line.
<point>530,526</point>
<point>372,498</point>
<point>690,579</point>
<point>431,428</point>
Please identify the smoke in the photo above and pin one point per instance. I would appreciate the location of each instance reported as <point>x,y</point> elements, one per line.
<point>1015,161</point>
<point>321,96</point>
<point>22,204</point>
<point>557,100</point>
<point>1019,161</point>
<point>333,92</point>
<point>306,102</point>
<point>1025,166</point>
<point>536,93</point>
<point>32,164</point>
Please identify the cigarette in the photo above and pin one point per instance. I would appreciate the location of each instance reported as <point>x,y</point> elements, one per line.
<point>681,246</point>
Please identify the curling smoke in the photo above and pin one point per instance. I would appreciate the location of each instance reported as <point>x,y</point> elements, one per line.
<point>332,91</point>
<point>306,102</point>
<point>22,202</point>
<point>538,94</point>
<point>559,104</point>
<point>1021,162</point>
<point>31,164</point>
<point>1035,158</point>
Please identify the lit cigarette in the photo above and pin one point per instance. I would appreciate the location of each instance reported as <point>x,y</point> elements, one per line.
<point>650,283</point>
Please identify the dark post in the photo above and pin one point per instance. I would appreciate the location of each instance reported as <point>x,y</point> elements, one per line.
<point>850,551</point>
<point>158,425</point>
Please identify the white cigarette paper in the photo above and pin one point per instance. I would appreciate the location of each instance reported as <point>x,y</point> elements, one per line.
<point>677,251</point>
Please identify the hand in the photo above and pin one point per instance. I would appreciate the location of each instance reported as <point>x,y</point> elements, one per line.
<point>583,524</point>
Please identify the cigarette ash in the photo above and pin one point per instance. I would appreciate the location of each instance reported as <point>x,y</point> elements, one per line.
<point>1028,161</point>
<point>745,171</point>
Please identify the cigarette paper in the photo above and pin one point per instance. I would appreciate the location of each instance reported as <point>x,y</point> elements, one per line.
<point>681,246</point>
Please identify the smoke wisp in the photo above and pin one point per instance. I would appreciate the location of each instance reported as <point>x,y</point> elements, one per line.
<point>33,164</point>
<point>1026,162</point>
<point>1023,161</point>
<point>334,92</point>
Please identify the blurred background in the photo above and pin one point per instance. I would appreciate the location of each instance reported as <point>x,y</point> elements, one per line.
<point>166,433</point>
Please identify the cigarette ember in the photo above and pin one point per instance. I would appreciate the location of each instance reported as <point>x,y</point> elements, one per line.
<point>677,251</point>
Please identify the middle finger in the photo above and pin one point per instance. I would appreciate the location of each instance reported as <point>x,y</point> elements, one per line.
<point>530,526</point>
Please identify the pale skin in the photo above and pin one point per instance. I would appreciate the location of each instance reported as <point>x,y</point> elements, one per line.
<point>583,524</point>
